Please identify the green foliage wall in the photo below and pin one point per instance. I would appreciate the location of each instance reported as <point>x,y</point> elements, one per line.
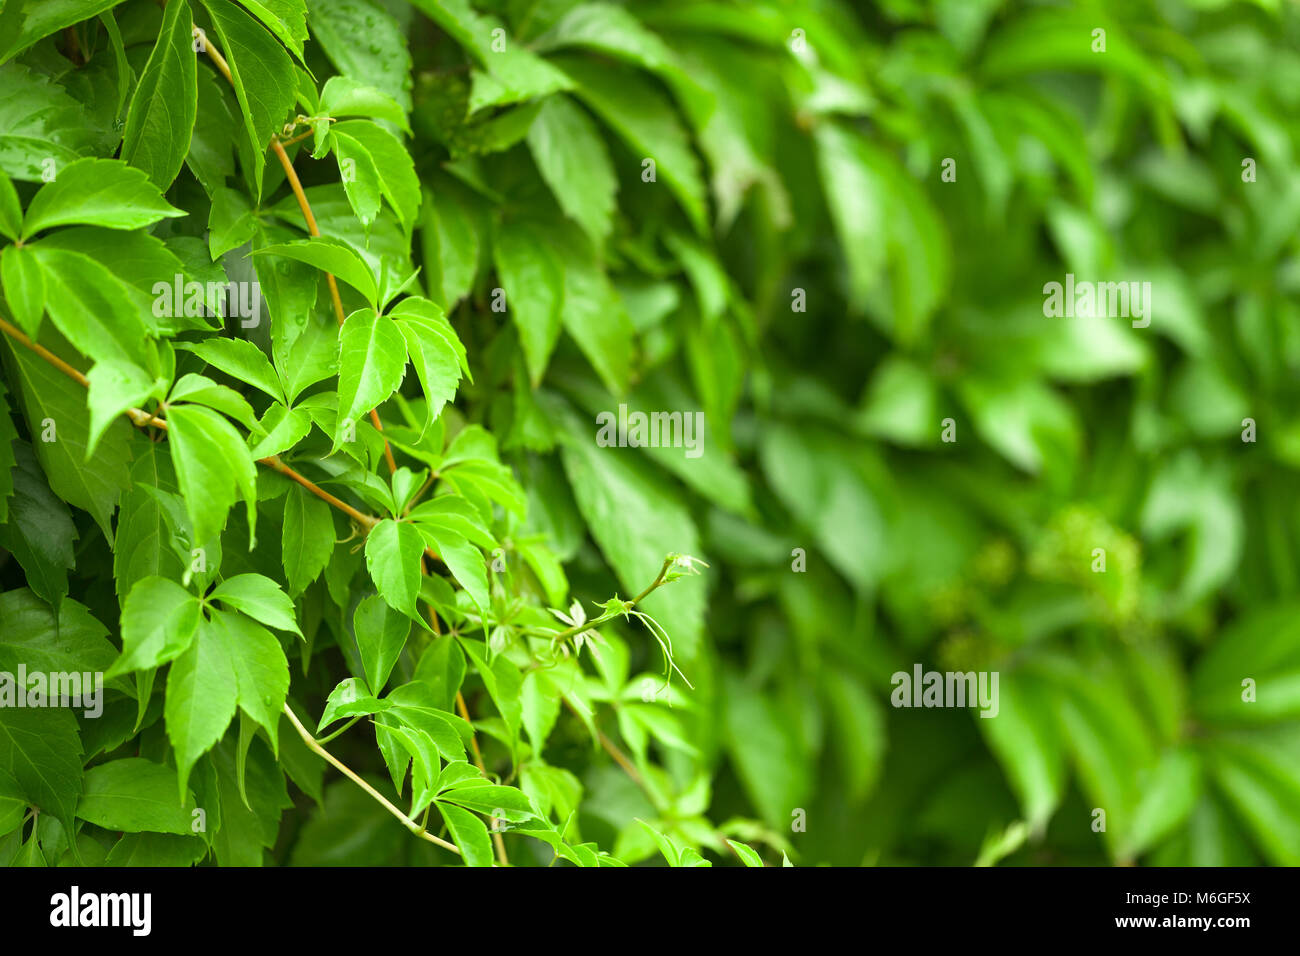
<point>314,309</point>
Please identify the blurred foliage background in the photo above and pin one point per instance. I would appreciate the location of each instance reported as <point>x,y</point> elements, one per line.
<point>800,146</point>
<point>795,264</point>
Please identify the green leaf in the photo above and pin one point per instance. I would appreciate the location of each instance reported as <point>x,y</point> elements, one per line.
<point>667,846</point>
<point>1262,645</point>
<point>1170,793</point>
<point>360,175</point>
<point>451,240</point>
<point>212,147</point>
<point>856,199</point>
<point>900,403</point>
<point>380,164</point>
<point>414,705</point>
<point>240,359</point>
<point>831,487</point>
<point>149,850</point>
<point>159,621</point>
<point>1062,39</point>
<point>204,391</point>
<point>55,408</point>
<point>350,699</point>
<point>469,833</point>
<point>1260,779</point>
<point>572,158</point>
<point>465,562</point>
<point>39,532</point>
<point>97,192</point>
<point>456,514</point>
<point>393,551</point>
<point>503,682</point>
<point>40,759</point>
<point>344,96</point>
<point>920,261</point>
<point>381,634</point>
<point>24,285</point>
<point>506,803</point>
<point>859,732</point>
<point>435,351</point>
<point>263,77</point>
<point>202,695</point>
<point>442,669</point>
<point>372,364</point>
<point>69,640</point>
<point>213,468</point>
<point>635,109</point>
<point>1112,750</point>
<point>142,546</point>
<point>260,598</point>
<point>609,29</point>
<point>11,213</point>
<point>592,312</point>
<point>135,795</point>
<point>39,20</point>
<point>533,277</point>
<point>141,265</point>
<point>514,73</point>
<point>1027,743</point>
<point>765,748</point>
<point>259,664</point>
<point>8,436</point>
<point>424,760</point>
<point>248,827</point>
<point>232,221</point>
<point>287,19</point>
<point>540,699</point>
<point>1027,422</point>
<point>44,129</point>
<point>163,109</point>
<point>307,538</point>
<point>284,428</point>
<point>114,386</point>
<point>382,60</point>
<point>90,306</point>
<point>330,255</point>
<point>1189,494</point>
<point>748,855</point>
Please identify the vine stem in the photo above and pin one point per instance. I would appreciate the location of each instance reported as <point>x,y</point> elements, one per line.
<point>299,138</point>
<point>296,185</point>
<point>609,746</point>
<point>274,462</point>
<point>18,335</point>
<point>620,758</point>
<point>606,618</point>
<point>614,751</point>
<point>143,419</point>
<point>343,768</point>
